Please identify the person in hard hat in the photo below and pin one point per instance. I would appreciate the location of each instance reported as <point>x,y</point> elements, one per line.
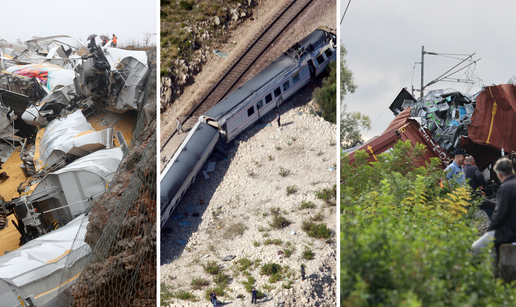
<point>113,41</point>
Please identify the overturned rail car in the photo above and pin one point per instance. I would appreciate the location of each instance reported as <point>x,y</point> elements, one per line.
<point>404,128</point>
<point>263,93</point>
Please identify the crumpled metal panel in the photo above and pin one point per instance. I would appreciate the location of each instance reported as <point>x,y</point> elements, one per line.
<point>494,124</point>
<point>404,128</point>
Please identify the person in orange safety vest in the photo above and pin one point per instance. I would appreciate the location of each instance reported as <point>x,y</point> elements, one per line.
<point>113,43</point>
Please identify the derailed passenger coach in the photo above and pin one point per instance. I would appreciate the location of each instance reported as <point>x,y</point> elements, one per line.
<point>263,93</point>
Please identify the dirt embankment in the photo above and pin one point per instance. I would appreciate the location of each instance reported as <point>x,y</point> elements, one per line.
<point>122,223</point>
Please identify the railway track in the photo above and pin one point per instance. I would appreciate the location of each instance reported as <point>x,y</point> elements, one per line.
<point>238,67</point>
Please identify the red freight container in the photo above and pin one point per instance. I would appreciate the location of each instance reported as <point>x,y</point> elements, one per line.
<point>403,128</point>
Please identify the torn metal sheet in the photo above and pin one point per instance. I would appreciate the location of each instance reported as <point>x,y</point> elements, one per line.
<point>71,136</point>
<point>494,119</point>
<point>35,270</point>
<point>64,194</point>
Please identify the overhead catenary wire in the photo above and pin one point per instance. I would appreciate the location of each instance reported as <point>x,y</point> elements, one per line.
<point>345,12</point>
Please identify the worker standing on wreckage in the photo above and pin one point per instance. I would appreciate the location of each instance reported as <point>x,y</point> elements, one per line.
<point>100,66</point>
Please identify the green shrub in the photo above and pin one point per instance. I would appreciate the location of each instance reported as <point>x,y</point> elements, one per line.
<point>314,230</point>
<point>221,279</point>
<point>284,172</point>
<point>273,241</point>
<point>188,296</point>
<point>326,95</point>
<point>317,218</point>
<point>289,251</point>
<point>248,285</point>
<point>291,189</point>
<point>165,294</point>
<point>198,283</point>
<point>275,277</point>
<point>307,205</point>
<point>328,195</point>
<point>270,268</point>
<point>406,240</point>
<point>307,254</point>
<point>211,267</point>
<point>244,264</point>
<point>288,284</point>
<point>279,222</point>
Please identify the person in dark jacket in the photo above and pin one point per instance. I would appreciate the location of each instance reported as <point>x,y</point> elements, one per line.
<point>254,293</point>
<point>302,272</point>
<point>477,181</point>
<point>503,223</point>
<point>213,298</point>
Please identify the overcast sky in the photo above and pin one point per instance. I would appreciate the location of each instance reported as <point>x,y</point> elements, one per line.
<point>384,40</point>
<point>128,19</point>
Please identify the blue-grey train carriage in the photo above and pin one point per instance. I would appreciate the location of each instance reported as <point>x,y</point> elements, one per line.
<point>243,107</point>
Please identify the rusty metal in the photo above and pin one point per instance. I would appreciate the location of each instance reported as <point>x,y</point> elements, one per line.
<point>403,128</point>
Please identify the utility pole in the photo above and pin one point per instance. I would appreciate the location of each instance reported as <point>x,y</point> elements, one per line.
<point>422,69</point>
<point>442,77</point>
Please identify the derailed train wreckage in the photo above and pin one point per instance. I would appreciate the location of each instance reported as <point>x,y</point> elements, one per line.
<point>263,93</point>
<point>49,92</point>
<point>446,119</point>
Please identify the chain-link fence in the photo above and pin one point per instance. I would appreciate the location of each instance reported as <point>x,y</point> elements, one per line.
<point>119,267</point>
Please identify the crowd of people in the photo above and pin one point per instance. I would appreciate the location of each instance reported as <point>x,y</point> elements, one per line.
<point>502,211</point>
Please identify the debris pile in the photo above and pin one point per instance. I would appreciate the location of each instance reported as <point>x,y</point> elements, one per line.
<point>445,112</point>
<point>66,119</point>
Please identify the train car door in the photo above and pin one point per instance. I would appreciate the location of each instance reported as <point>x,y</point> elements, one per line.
<point>279,101</point>
<point>311,66</point>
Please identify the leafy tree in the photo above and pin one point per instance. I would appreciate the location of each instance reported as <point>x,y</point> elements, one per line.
<point>347,84</point>
<point>350,125</point>
<point>350,122</point>
<point>326,95</point>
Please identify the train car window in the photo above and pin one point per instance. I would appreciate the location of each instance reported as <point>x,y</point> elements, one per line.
<point>295,79</point>
<point>328,53</point>
<point>286,85</point>
<point>277,92</point>
<point>268,98</point>
<point>259,104</point>
<point>250,111</point>
<point>320,59</point>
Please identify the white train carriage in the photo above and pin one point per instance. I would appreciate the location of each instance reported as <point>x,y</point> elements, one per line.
<point>184,166</point>
<point>274,84</point>
<point>258,96</point>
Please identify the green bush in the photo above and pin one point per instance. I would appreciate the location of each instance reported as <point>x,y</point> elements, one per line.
<point>291,189</point>
<point>243,264</point>
<point>211,267</point>
<point>405,240</point>
<point>188,296</point>
<point>221,279</point>
<point>275,277</point>
<point>328,195</point>
<point>279,222</point>
<point>248,285</point>
<point>307,205</point>
<point>314,230</point>
<point>198,283</point>
<point>308,254</point>
<point>326,95</point>
<point>270,268</point>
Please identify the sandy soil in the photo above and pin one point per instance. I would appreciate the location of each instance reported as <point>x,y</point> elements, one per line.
<point>243,189</point>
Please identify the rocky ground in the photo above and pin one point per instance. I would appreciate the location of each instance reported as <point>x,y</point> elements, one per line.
<point>234,207</point>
